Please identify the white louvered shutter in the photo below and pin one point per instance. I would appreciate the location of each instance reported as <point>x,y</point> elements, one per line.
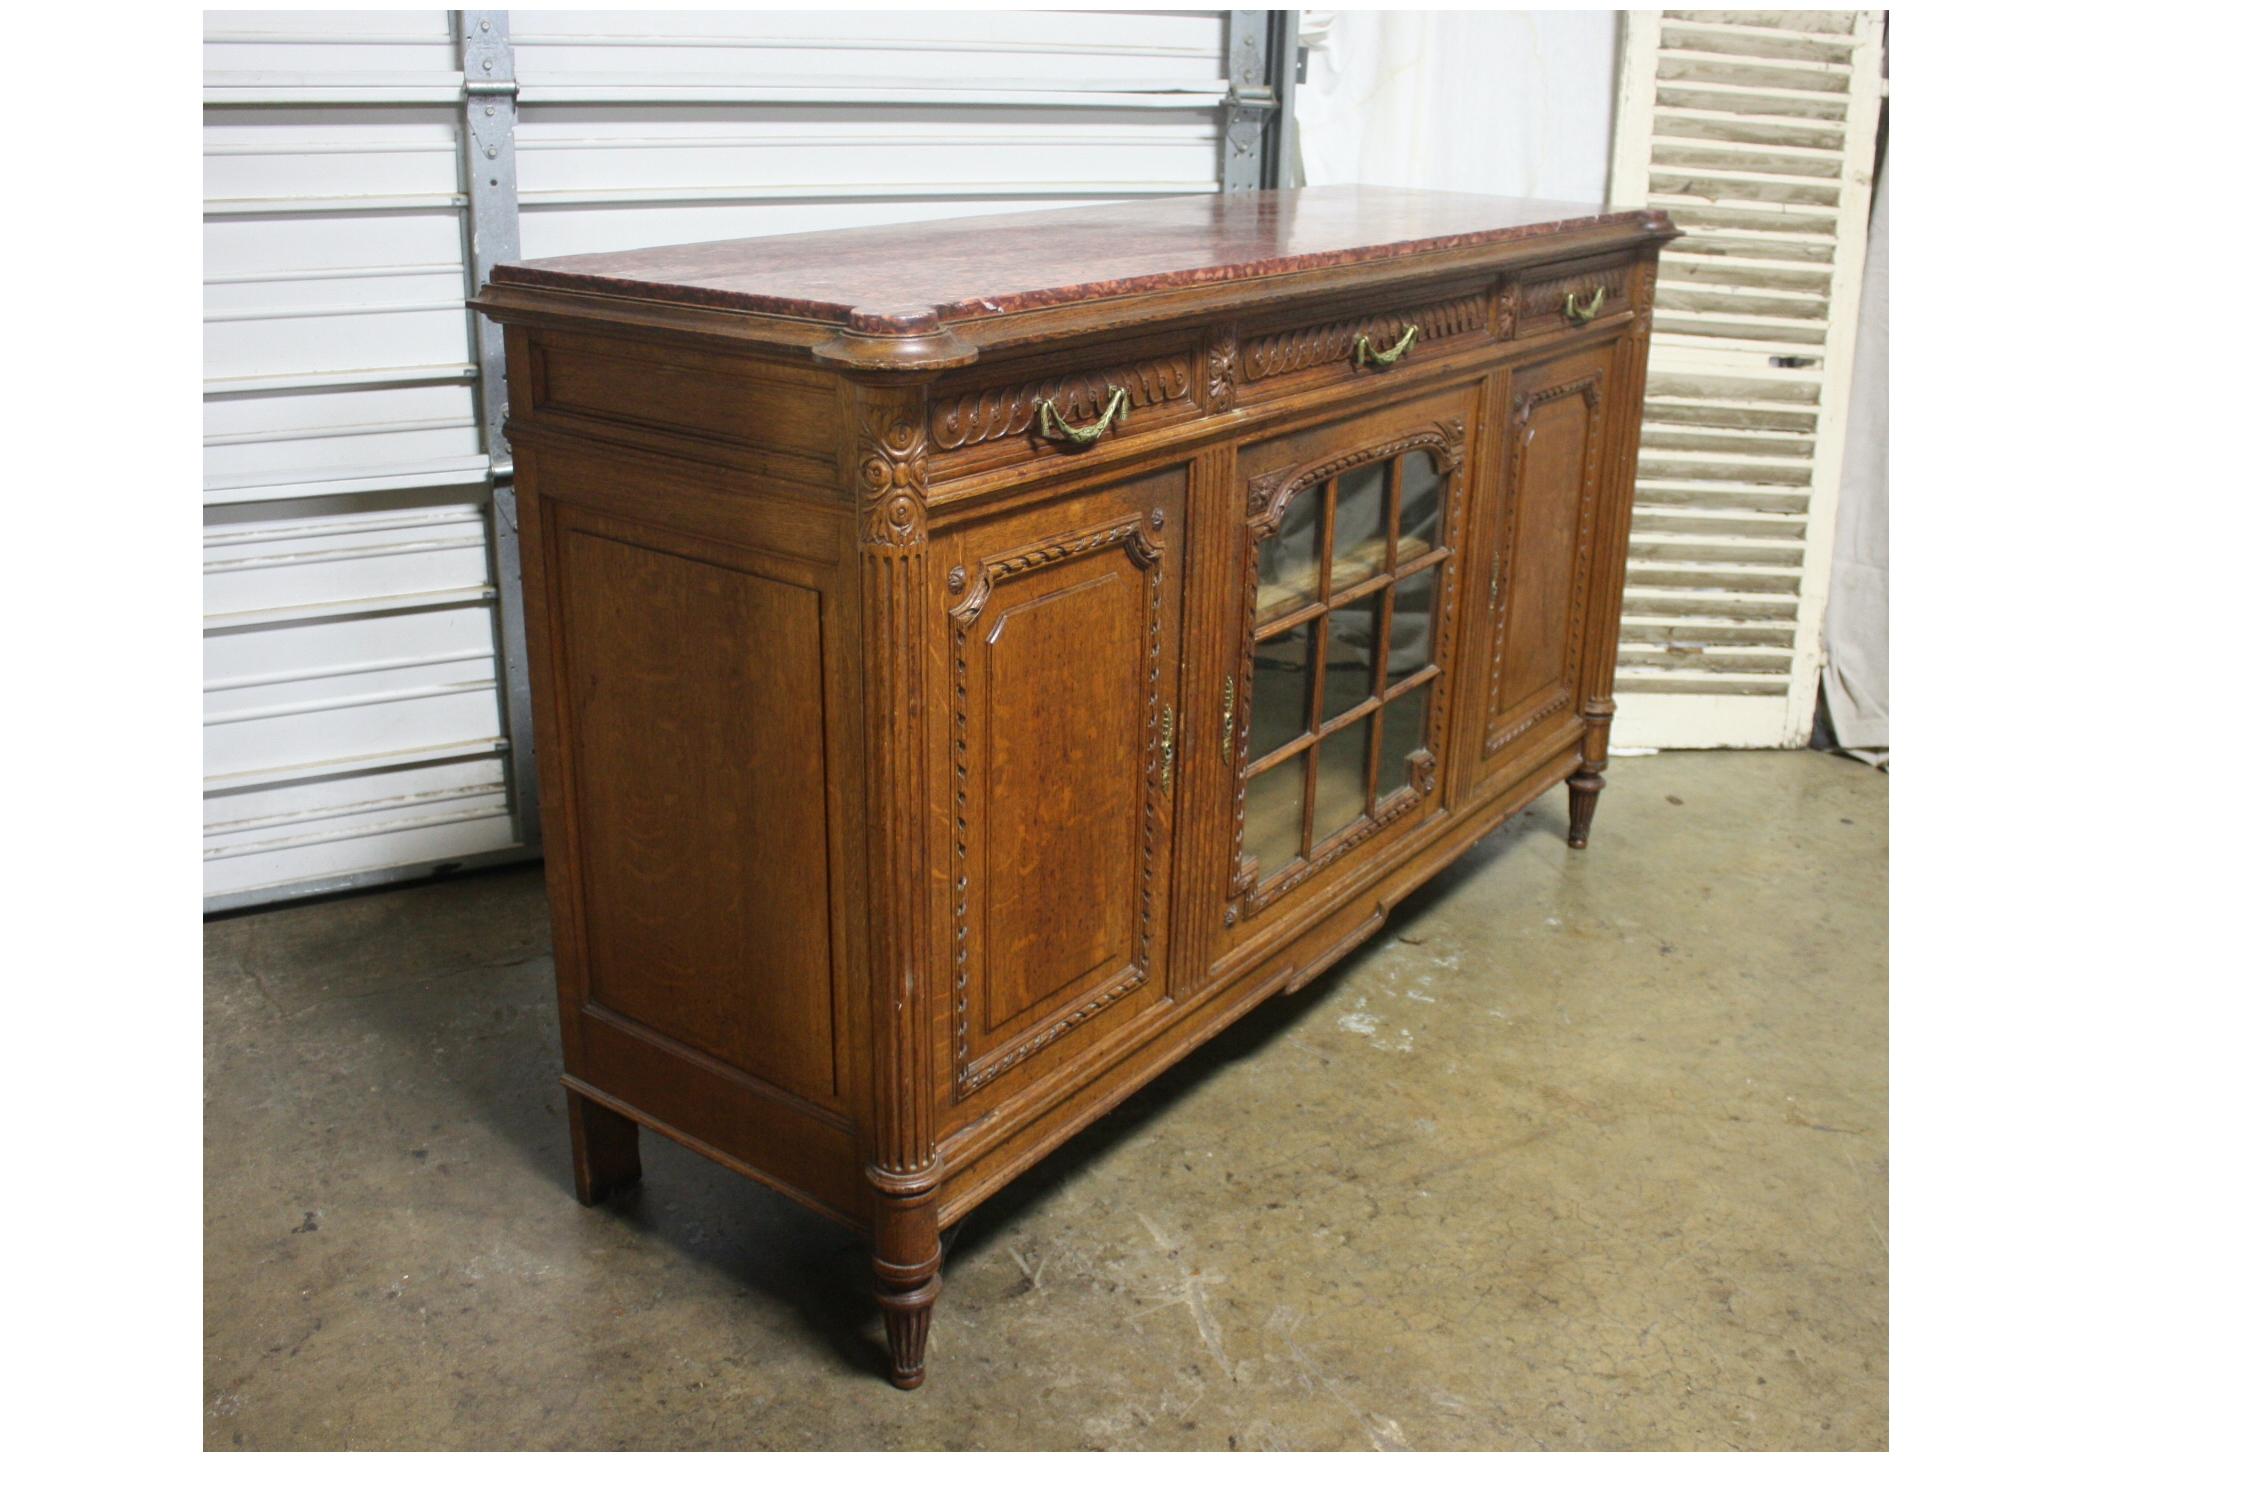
<point>355,725</point>
<point>1756,131</point>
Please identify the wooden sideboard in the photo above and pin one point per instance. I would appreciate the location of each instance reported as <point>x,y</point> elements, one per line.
<point>975,661</point>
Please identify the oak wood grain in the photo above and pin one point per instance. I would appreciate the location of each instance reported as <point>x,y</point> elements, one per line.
<point>895,753</point>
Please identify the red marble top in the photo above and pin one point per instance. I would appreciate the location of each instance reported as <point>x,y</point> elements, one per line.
<point>903,279</point>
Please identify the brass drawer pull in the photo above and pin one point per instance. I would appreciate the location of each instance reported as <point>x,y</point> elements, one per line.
<point>1055,427</point>
<point>1585,314</point>
<point>1368,354</point>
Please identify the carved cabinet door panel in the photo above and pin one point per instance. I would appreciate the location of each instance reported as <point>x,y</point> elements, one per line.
<point>1059,707</point>
<point>1539,551</point>
<point>1334,721</point>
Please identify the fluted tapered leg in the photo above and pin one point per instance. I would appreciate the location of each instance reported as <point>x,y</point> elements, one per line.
<point>1582,805</point>
<point>907,1266</point>
<point>908,1320</point>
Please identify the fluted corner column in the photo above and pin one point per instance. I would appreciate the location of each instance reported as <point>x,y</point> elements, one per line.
<point>889,477</point>
<point>1587,781</point>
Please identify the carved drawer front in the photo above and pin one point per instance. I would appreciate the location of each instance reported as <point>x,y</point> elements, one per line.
<point>1062,733</point>
<point>1334,720</point>
<point>1363,341</point>
<point>1540,554</point>
<point>1063,405</point>
<point>1570,295</point>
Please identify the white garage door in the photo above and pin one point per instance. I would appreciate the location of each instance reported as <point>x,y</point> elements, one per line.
<point>364,718</point>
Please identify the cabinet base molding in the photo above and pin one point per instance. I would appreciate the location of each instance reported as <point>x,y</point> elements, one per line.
<point>976,663</point>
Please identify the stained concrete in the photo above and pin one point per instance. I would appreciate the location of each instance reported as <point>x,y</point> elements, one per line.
<point>1584,1150</point>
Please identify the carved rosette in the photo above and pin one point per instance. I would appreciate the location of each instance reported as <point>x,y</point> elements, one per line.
<point>890,471</point>
<point>1508,309</point>
<point>1222,370</point>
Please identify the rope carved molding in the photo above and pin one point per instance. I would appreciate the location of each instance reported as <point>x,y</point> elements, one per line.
<point>1134,535</point>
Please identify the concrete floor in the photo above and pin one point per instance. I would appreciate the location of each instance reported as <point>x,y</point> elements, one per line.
<point>1584,1150</point>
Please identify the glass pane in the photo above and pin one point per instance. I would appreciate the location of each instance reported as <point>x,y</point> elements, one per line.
<point>1351,654</point>
<point>1277,700</point>
<point>1272,814</point>
<point>1421,505</point>
<point>1359,526</point>
<point>1411,647</point>
<point>1288,559</point>
<point>1339,777</point>
<point>1402,731</point>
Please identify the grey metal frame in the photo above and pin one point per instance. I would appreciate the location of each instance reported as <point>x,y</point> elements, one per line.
<point>1262,53</point>
<point>489,145</point>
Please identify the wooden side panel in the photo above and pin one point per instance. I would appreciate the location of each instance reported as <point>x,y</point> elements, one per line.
<point>1062,666</point>
<point>1542,547</point>
<point>697,701</point>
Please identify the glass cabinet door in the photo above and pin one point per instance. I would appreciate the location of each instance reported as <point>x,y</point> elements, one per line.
<point>1346,579</point>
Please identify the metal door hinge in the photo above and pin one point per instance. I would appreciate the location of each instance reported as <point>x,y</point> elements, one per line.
<point>488,63</point>
<point>1246,111</point>
<point>1259,48</point>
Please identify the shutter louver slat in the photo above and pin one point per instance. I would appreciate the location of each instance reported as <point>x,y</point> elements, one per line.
<point>1738,441</point>
<point>1736,98</point>
<point>1755,130</point>
<point>1711,69</point>
<point>1695,270</point>
<point>1757,41</point>
<point>1735,524</point>
<point>1825,22</point>
<point>1808,165</point>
